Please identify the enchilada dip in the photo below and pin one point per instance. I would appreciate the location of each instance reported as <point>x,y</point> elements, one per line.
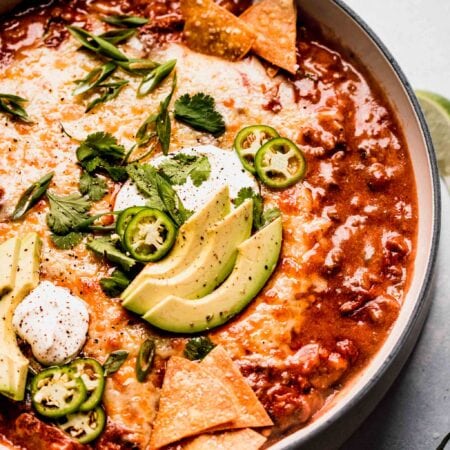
<point>207,223</point>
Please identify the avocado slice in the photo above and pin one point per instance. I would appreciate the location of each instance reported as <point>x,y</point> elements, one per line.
<point>13,365</point>
<point>9,255</point>
<point>255,263</point>
<point>189,241</point>
<point>205,271</point>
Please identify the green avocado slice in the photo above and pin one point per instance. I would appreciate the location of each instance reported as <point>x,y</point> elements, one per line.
<point>205,271</point>
<point>189,241</point>
<point>9,255</point>
<point>255,263</point>
<point>13,365</point>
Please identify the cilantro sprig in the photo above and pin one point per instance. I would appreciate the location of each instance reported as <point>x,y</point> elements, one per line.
<point>198,111</point>
<point>159,192</point>
<point>261,216</point>
<point>181,166</point>
<point>101,152</point>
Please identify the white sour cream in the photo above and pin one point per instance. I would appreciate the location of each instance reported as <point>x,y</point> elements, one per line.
<point>226,169</point>
<point>53,321</point>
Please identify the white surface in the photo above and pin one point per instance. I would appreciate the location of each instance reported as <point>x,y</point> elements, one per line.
<point>417,32</point>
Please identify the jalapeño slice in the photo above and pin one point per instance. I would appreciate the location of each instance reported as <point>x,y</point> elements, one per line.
<point>249,140</point>
<point>91,373</point>
<point>57,391</point>
<point>280,163</point>
<point>84,426</point>
<point>124,218</point>
<point>149,235</point>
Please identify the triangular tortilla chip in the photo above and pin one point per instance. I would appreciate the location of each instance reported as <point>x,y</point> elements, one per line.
<point>251,412</point>
<point>192,401</point>
<point>228,440</point>
<point>274,22</point>
<point>212,29</point>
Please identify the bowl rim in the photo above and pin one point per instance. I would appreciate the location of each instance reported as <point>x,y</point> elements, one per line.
<point>421,306</point>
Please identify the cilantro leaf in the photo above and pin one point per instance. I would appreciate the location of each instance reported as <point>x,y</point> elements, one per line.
<point>106,247</point>
<point>198,347</point>
<point>269,215</point>
<point>143,175</point>
<point>199,113</point>
<point>178,168</point>
<point>66,213</point>
<point>115,284</point>
<point>159,191</point>
<point>92,186</point>
<point>101,151</point>
<point>261,217</point>
<point>67,241</point>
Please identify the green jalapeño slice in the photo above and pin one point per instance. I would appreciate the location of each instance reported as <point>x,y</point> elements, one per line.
<point>280,163</point>
<point>57,391</point>
<point>91,373</point>
<point>249,140</point>
<point>124,218</point>
<point>84,426</point>
<point>149,235</point>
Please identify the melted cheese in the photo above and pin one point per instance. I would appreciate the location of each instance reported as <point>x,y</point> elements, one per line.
<point>45,76</point>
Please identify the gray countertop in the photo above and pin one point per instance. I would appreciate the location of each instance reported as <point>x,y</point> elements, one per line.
<point>417,32</point>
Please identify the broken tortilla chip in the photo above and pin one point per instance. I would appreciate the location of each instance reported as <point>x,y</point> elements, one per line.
<point>192,401</point>
<point>228,440</point>
<point>251,412</point>
<point>274,22</point>
<point>212,29</point>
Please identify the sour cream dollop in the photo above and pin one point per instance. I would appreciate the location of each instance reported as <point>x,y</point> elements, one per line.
<point>54,322</point>
<point>226,169</point>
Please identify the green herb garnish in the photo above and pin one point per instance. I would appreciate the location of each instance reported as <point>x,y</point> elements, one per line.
<point>159,192</point>
<point>101,151</point>
<point>67,213</point>
<point>117,36</point>
<point>158,125</point>
<point>115,284</point>
<point>108,92</point>
<point>96,44</point>
<point>261,216</point>
<point>199,113</point>
<point>31,196</point>
<point>68,240</point>
<point>94,187</point>
<point>13,105</point>
<point>107,247</point>
<point>155,77</point>
<point>144,360</point>
<point>181,166</point>
<point>198,347</point>
<point>114,362</point>
<point>94,77</point>
<point>123,20</point>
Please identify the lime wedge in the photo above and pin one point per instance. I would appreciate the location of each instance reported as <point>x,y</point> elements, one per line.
<point>437,114</point>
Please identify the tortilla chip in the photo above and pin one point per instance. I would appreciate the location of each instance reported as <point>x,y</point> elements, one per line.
<point>192,401</point>
<point>274,22</point>
<point>212,29</point>
<point>228,440</point>
<point>251,412</point>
